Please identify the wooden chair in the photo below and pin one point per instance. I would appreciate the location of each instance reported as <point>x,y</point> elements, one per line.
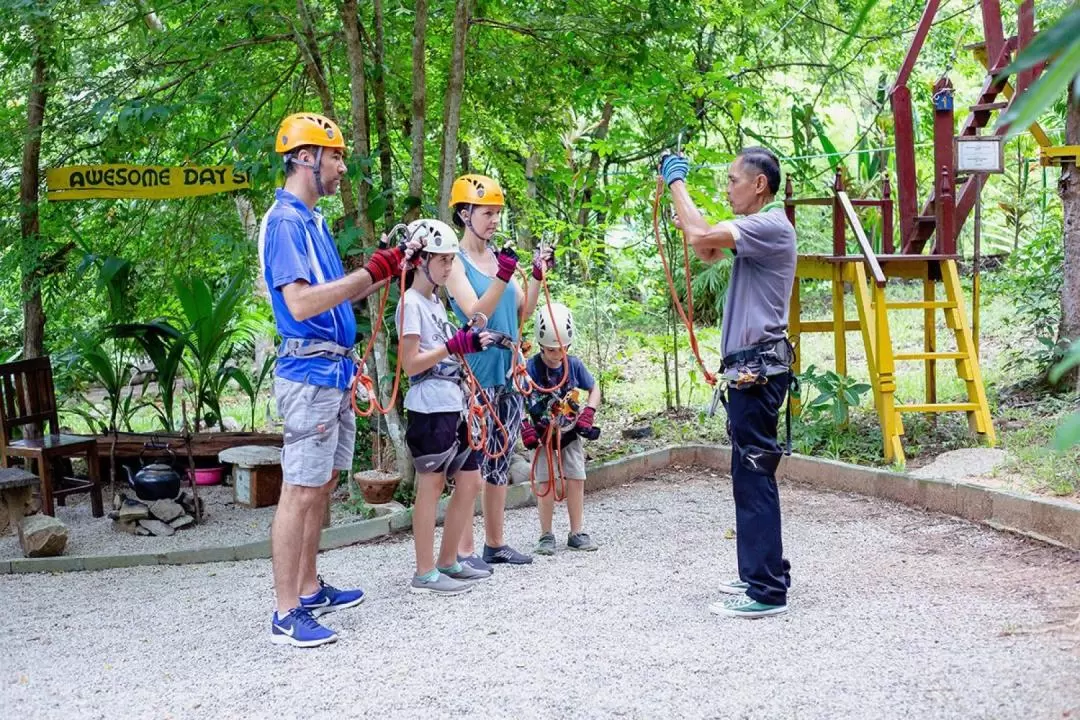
<point>28,400</point>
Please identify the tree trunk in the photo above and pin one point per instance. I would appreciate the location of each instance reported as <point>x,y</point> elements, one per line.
<point>33,310</point>
<point>594,163</point>
<point>362,144</point>
<point>532,164</point>
<point>1069,191</point>
<point>309,49</point>
<point>385,157</point>
<point>419,107</point>
<point>466,157</point>
<point>455,85</point>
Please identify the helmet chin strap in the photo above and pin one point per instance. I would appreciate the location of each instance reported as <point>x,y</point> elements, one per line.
<point>469,226</point>
<point>427,273</point>
<point>316,169</point>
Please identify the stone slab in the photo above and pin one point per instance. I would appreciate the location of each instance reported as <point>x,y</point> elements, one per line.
<point>16,478</point>
<point>251,455</point>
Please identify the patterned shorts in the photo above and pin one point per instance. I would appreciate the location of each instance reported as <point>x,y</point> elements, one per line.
<point>508,405</point>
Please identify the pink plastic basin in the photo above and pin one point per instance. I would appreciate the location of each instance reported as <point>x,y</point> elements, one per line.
<point>206,476</point>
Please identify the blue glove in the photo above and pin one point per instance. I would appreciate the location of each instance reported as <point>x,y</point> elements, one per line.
<point>673,167</point>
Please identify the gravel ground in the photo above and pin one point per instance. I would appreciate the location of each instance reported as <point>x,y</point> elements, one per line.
<point>963,463</point>
<point>895,614</point>
<point>225,524</point>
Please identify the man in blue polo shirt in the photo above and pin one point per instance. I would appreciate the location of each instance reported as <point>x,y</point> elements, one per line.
<point>311,297</point>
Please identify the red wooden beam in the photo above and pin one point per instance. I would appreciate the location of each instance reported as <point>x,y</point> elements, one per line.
<point>839,242</point>
<point>789,195</point>
<point>992,30</point>
<point>964,197</point>
<point>907,189</point>
<point>1025,34</point>
<point>887,216</point>
<point>944,130</point>
<point>916,45</point>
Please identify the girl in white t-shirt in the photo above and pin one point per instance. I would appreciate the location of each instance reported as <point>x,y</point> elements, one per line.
<point>437,433</point>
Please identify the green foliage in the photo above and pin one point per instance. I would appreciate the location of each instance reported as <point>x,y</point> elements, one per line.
<point>210,334</point>
<point>355,503</point>
<point>105,363</point>
<point>1060,41</point>
<point>164,345</point>
<point>1068,434</point>
<point>710,284</point>
<point>836,395</point>
<point>825,424</point>
<point>1032,281</point>
<point>1039,454</point>
<point>252,384</point>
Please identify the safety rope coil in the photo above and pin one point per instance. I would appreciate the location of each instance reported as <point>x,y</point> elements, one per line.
<point>687,319</point>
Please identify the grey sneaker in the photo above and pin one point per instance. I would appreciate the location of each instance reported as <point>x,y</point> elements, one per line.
<point>505,554</point>
<point>581,541</point>
<point>546,546</point>
<point>734,587</point>
<point>745,607</point>
<point>439,585</point>
<point>475,561</point>
<point>463,571</point>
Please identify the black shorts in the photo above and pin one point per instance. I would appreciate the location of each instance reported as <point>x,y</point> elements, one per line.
<point>434,433</point>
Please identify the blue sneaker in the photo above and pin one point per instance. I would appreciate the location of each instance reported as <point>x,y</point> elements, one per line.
<point>329,598</point>
<point>299,629</point>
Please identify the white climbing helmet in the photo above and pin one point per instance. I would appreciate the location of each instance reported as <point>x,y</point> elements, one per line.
<point>438,237</point>
<point>554,327</point>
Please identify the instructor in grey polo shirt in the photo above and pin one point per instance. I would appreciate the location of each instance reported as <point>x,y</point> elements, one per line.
<point>757,361</point>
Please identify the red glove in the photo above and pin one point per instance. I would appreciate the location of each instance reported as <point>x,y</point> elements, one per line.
<point>508,262</point>
<point>384,264</point>
<point>528,436</point>
<point>542,262</point>
<point>585,418</point>
<point>465,341</point>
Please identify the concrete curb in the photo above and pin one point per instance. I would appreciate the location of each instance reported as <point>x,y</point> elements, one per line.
<point>1051,521</point>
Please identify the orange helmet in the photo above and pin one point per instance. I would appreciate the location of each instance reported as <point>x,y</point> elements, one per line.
<point>308,129</point>
<point>476,190</point>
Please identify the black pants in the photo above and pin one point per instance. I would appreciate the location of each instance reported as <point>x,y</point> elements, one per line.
<point>752,424</point>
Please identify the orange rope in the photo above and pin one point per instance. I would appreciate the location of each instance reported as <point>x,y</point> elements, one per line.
<point>552,437</point>
<point>477,411</point>
<point>521,378</point>
<point>688,321</point>
<point>362,378</point>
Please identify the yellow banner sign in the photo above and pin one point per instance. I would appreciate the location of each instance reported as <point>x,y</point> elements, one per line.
<point>154,182</point>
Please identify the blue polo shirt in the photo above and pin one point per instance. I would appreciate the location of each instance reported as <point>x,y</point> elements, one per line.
<point>297,245</point>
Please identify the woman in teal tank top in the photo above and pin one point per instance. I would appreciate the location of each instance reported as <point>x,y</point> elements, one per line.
<point>483,284</point>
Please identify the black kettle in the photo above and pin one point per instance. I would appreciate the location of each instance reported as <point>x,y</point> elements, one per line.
<point>156,481</point>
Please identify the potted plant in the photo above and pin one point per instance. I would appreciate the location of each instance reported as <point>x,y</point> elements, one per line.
<point>379,484</point>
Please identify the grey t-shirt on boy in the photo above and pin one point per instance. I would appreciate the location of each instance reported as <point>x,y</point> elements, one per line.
<point>425,316</point>
<point>759,292</point>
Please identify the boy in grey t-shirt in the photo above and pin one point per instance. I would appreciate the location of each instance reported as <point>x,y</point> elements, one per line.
<point>756,313</point>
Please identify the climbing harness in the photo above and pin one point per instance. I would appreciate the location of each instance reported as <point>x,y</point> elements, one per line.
<point>555,420</point>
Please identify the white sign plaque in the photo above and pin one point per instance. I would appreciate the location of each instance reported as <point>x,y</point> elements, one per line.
<point>979,154</point>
